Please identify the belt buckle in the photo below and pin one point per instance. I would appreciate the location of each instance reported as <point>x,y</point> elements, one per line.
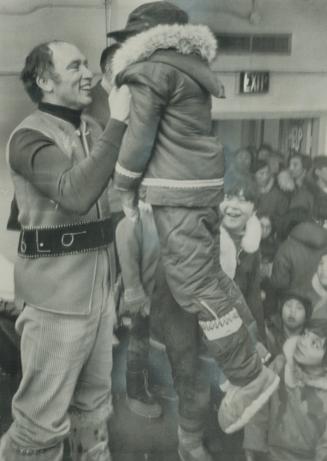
<point>67,243</point>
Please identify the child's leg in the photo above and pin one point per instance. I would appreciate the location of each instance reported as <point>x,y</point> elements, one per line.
<point>189,243</point>
<point>189,250</point>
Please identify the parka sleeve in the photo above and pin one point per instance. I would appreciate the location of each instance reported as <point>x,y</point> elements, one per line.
<point>256,431</point>
<point>281,276</point>
<point>149,96</point>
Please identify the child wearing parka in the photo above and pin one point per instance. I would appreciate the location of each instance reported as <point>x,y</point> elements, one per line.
<point>293,425</point>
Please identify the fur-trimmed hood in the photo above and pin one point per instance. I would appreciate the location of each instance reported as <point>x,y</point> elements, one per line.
<point>294,375</point>
<point>250,243</point>
<point>190,48</point>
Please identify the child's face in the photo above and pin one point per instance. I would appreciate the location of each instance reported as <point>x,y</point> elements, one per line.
<point>236,211</point>
<point>310,349</point>
<point>293,314</point>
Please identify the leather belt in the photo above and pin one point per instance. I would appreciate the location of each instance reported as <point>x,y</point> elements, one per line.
<point>65,240</point>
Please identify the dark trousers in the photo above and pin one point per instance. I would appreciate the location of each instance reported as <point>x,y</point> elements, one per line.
<point>190,259</point>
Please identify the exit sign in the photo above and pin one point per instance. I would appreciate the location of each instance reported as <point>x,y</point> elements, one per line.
<point>254,82</point>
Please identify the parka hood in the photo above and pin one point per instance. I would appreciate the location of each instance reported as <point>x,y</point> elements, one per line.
<point>189,48</point>
<point>294,375</point>
<point>310,234</point>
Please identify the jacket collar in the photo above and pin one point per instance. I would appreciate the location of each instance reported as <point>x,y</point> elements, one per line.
<point>65,113</point>
<point>174,43</point>
<point>250,242</point>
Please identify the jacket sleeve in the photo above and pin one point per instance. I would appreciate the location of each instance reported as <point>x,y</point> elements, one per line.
<point>149,96</point>
<point>253,296</point>
<point>256,431</point>
<point>73,186</point>
<point>281,276</point>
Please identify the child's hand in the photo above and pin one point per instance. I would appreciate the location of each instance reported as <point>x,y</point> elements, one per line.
<point>129,205</point>
<point>135,302</point>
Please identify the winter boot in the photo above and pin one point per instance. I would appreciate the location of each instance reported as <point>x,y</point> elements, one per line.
<point>190,446</point>
<point>89,443</point>
<point>139,399</point>
<point>240,404</point>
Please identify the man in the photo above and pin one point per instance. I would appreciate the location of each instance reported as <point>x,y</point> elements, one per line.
<point>170,153</point>
<point>272,202</point>
<point>294,180</point>
<point>299,264</point>
<point>99,110</point>
<point>318,186</point>
<point>64,270</point>
<point>99,107</point>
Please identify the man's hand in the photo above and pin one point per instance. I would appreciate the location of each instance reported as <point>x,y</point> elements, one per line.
<point>119,100</point>
<point>129,205</point>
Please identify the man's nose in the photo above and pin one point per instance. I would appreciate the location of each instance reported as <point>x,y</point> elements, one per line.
<point>87,73</point>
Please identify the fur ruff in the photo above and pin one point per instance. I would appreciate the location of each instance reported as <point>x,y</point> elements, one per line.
<point>285,182</point>
<point>185,39</point>
<point>319,289</point>
<point>297,377</point>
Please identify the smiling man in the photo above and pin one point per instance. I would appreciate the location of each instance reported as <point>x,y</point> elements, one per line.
<point>61,165</point>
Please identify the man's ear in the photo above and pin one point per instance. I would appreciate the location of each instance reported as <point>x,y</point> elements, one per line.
<point>46,84</point>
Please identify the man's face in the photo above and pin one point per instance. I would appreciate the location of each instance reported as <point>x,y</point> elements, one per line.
<point>263,176</point>
<point>310,349</point>
<point>243,159</point>
<point>263,154</point>
<point>236,211</point>
<point>72,84</point>
<point>322,174</point>
<point>322,271</point>
<point>296,168</point>
<point>293,314</point>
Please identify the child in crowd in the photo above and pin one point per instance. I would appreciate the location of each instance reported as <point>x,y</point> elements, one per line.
<point>289,321</point>
<point>292,426</point>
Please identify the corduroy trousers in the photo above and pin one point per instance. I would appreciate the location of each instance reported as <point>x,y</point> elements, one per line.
<point>66,378</point>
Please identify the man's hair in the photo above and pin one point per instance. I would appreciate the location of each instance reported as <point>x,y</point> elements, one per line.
<point>305,160</point>
<point>38,63</point>
<point>237,182</point>
<point>107,55</point>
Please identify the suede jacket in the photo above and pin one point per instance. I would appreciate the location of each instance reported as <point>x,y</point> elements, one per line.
<point>169,148</point>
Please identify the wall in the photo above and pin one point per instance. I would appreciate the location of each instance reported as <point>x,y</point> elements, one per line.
<point>298,82</point>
